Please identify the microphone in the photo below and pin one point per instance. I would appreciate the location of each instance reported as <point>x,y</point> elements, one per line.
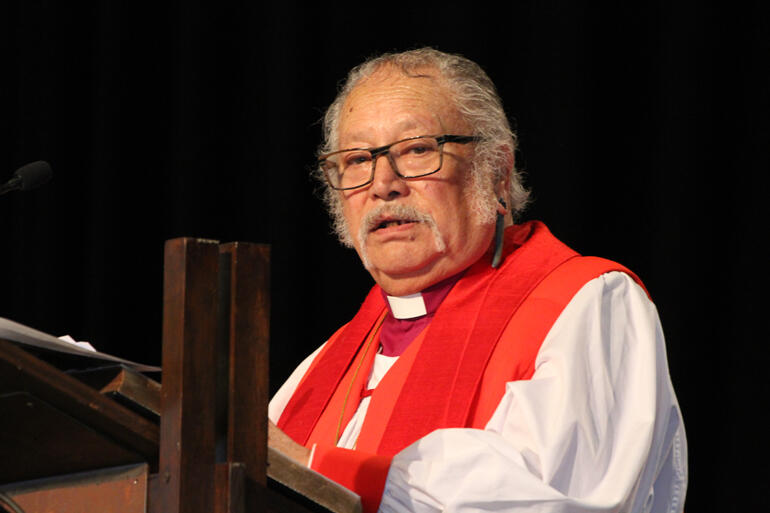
<point>28,177</point>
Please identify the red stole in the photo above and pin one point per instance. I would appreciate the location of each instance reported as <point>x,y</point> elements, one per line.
<point>441,380</point>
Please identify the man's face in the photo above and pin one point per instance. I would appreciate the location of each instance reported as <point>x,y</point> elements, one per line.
<point>408,250</point>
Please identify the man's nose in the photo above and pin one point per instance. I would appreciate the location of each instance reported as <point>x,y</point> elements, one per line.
<point>386,184</point>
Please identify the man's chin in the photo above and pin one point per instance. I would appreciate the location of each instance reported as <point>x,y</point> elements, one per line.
<point>400,278</point>
<point>401,259</point>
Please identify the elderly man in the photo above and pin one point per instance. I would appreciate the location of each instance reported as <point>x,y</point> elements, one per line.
<point>491,368</point>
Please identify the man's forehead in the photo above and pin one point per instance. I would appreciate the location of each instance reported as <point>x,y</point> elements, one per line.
<point>401,101</point>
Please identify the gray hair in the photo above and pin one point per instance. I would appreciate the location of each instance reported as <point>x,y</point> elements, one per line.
<point>477,101</point>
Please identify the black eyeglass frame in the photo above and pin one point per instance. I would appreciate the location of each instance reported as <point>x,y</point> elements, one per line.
<point>385,150</point>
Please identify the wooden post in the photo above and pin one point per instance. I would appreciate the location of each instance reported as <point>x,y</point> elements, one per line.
<point>245,288</point>
<point>186,476</point>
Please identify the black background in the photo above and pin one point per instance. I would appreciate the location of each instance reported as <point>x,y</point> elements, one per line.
<point>644,131</point>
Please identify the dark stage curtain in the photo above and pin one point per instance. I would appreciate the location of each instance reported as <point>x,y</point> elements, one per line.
<point>643,131</point>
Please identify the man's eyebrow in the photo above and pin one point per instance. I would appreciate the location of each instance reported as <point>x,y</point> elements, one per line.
<point>403,125</point>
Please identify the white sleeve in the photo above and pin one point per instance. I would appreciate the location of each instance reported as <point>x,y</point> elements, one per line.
<point>597,428</point>
<point>281,398</point>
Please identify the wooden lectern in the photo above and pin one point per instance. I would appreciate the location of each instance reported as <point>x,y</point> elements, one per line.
<point>67,447</point>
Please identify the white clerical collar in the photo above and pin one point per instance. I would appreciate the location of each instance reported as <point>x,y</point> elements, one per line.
<point>407,307</point>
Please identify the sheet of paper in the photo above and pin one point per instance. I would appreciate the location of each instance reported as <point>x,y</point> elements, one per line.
<point>70,340</point>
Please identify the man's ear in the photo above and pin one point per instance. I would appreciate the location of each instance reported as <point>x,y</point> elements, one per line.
<point>501,187</point>
<point>502,206</point>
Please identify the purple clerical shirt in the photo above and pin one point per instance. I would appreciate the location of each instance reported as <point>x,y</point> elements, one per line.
<point>397,334</point>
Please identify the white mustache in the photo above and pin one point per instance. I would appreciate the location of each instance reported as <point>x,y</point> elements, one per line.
<point>396,212</point>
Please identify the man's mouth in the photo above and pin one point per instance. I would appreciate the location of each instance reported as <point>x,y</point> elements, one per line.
<point>387,223</point>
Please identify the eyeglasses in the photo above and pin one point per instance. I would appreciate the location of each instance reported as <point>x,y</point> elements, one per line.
<point>413,157</point>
